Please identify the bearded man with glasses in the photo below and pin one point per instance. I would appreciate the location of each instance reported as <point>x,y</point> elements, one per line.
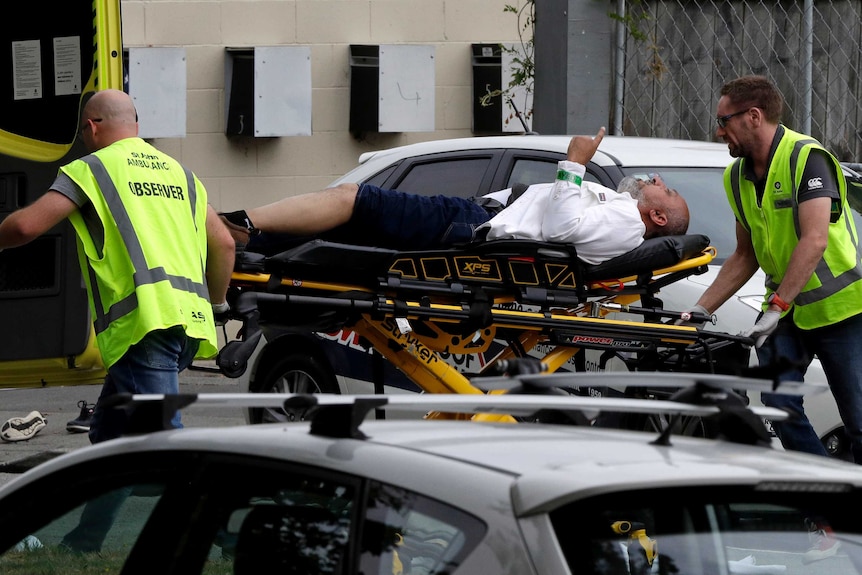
<point>789,195</point>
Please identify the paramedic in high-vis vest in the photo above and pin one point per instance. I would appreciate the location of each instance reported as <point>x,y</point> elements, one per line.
<point>792,220</point>
<point>155,257</point>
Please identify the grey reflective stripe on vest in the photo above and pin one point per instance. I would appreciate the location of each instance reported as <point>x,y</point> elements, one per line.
<point>143,274</point>
<point>794,187</point>
<point>735,175</point>
<point>829,287</point>
<point>830,284</point>
<point>193,193</point>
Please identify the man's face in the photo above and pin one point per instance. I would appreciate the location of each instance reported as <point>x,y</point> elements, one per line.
<point>733,127</point>
<point>656,192</point>
<point>656,185</point>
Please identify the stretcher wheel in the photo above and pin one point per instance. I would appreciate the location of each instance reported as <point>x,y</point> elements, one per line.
<point>230,362</point>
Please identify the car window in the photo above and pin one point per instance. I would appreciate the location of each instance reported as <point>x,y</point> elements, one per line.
<point>531,171</point>
<point>218,514</point>
<point>451,177</point>
<point>768,529</point>
<point>710,212</point>
<point>537,171</point>
<point>379,179</point>
<point>419,535</point>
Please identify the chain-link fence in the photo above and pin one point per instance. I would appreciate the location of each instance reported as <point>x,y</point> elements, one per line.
<point>676,55</point>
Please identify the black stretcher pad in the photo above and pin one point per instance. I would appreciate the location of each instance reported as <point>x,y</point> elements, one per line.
<point>521,263</point>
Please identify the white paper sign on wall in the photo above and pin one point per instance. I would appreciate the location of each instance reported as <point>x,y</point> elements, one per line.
<point>406,88</point>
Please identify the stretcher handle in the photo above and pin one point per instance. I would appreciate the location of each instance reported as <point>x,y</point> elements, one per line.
<point>688,316</point>
<point>232,359</point>
<point>519,366</point>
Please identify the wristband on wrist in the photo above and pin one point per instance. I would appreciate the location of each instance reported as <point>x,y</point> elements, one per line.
<point>565,176</point>
<point>775,299</point>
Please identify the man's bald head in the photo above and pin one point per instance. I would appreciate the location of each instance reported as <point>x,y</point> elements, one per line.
<point>108,116</point>
<point>114,105</point>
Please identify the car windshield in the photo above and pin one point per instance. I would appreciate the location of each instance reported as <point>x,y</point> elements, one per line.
<point>703,189</point>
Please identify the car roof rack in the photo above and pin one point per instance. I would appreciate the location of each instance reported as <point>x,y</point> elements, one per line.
<point>708,396</point>
<point>663,379</point>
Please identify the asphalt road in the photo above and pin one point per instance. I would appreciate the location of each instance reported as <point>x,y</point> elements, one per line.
<point>60,404</point>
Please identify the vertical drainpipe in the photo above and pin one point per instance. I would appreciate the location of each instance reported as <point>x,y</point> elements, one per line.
<point>808,63</point>
<point>620,76</point>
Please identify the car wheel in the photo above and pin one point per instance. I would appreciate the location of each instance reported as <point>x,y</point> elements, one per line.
<point>297,372</point>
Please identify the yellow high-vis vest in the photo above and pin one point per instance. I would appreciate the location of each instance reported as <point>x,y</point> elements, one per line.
<point>834,291</point>
<point>142,246</point>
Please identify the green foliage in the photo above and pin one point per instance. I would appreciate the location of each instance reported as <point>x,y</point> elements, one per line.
<point>523,62</point>
<point>637,19</point>
<point>523,69</point>
<point>633,20</point>
<point>56,560</point>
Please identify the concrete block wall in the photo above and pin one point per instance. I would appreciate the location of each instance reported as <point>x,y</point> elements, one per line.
<point>246,172</point>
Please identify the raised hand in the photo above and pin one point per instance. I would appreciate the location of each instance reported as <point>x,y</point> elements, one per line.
<point>582,148</point>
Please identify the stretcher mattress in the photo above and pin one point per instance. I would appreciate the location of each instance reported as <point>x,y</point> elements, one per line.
<point>524,270</point>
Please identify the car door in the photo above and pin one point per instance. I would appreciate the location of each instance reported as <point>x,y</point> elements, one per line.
<point>529,167</point>
<point>458,173</point>
<point>188,512</point>
<point>50,65</point>
<point>51,62</point>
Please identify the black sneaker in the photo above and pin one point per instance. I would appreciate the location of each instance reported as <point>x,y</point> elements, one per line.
<point>81,424</point>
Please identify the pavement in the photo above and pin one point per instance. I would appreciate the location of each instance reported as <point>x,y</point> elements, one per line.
<point>60,404</point>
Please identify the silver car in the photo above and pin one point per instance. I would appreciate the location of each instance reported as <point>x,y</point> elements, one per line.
<point>339,495</point>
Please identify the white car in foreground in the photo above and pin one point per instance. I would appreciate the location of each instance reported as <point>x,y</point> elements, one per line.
<point>337,495</point>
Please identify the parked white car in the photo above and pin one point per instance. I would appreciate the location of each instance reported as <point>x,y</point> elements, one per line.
<point>338,363</point>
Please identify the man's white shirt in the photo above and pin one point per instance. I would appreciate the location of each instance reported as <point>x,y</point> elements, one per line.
<point>600,222</point>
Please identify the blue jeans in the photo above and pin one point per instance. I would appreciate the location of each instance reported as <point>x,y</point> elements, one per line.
<point>393,220</point>
<point>839,349</point>
<point>404,221</point>
<point>152,365</point>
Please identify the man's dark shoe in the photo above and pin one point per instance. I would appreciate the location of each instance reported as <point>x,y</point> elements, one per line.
<point>81,424</point>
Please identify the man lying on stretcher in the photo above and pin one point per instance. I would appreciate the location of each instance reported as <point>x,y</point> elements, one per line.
<point>600,222</point>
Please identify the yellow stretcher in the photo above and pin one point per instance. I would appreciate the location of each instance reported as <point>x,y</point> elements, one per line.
<point>411,306</point>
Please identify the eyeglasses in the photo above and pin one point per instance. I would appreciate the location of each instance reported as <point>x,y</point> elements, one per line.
<point>86,124</point>
<point>722,120</point>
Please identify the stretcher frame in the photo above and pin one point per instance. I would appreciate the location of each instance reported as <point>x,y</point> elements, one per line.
<point>410,306</point>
